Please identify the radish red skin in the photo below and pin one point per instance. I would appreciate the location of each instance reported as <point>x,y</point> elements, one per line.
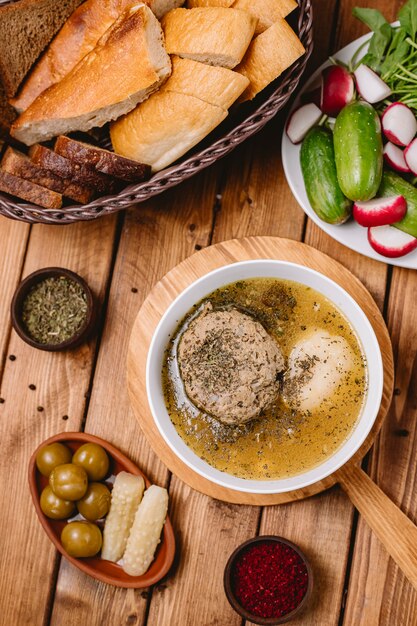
<point>337,90</point>
<point>380,212</point>
<point>399,124</point>
<point>406,243</point>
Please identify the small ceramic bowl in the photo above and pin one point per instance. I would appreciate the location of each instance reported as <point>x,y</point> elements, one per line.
<point>105,571</point>
<point>22,291</point>
<point>228,582</point>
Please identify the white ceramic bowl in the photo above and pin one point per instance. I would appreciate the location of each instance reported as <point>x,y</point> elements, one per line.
<point>262,269</point>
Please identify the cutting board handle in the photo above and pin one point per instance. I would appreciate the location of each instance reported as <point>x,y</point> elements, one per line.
<point>394,529</point>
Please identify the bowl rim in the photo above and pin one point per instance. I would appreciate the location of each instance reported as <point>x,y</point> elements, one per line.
<point>228,587</point>
<point>167,532</point>
<point>23,289</point>
<point>267,486</point>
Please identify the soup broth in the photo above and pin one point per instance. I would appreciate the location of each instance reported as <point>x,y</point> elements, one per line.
<point>282,442</point>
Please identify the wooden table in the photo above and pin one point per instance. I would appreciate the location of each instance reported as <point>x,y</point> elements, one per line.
<point>43,394</point>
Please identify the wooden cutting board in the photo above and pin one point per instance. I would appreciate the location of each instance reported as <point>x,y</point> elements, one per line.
<point>196,266</point>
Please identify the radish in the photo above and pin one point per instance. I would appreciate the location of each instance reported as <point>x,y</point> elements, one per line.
<point>394,157</point>
<point>337,89</point>
<point>380,211</point>
<point>302,120</point>
<point>399,124</point>
<point>410,155</point>
<point>391,242</point>
<point>370,86</point>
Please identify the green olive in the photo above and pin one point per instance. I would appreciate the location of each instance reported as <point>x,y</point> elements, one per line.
<point>55,507</point>
<point>93,459</point>
<point>69,481</point>
<point>52,455</point>
<point>81,539</point>
<point>96,502</point>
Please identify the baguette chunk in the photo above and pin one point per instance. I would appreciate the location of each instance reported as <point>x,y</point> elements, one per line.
<point>125,498</point>
<point>127,65</point>
<point>270,54</point>
<point>267,12</point>
<point>145,534</point>
<point>216,85</point>
<point>213,35</point>
<point>164,128</point>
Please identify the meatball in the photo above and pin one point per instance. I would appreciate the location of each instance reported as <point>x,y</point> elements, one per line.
<point>229,365</point>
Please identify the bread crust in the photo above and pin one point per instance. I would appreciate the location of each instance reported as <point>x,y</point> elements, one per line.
<point>26,190</point>
<point>106,84</point>
<point>79,36</point>
<point>215,85</point>
<point>64,168</point>
<point>266,11</point>
<point>17,163</point>
<point>270,54</point>
<point>102,160</point>
<point>213,35</point>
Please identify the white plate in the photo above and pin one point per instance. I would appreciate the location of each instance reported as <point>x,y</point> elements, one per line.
<point>350,234</point>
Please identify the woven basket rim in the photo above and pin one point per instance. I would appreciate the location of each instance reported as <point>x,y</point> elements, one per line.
<point>266,109</point>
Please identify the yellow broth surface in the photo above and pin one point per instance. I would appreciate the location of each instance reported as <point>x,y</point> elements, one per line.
<point>282,442</point>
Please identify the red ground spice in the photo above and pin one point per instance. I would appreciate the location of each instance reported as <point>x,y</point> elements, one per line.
<point>269,579</point>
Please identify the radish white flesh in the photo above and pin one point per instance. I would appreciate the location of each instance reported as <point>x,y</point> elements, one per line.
<point>410,155</point>
<point>302,120</point>
<point>399,124</point>
<point>380,211</point>
<point>370,86</point>
<point>337,89</point>
<point>391,242</point>
<point>394,157</point>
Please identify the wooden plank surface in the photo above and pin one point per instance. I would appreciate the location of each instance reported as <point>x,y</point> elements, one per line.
<point>246,194</point>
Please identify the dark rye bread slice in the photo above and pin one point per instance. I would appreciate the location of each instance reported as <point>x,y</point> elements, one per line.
<point>17,163</point>
<point>64,168</point>
<point>26,28</point>
<point>25,190</point>
<point>102,160</point>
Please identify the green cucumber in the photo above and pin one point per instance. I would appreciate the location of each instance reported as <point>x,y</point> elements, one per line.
<point>394,185</point>
<point>358,150</point>
<point>320,178</point>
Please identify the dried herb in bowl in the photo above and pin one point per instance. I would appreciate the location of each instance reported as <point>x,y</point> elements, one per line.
<point>54,310</point>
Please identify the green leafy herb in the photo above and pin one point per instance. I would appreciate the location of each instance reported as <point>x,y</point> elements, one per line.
<point>392,51</point>
<point>54,310</point>
<point>371,17</point>
<point>408,18</point>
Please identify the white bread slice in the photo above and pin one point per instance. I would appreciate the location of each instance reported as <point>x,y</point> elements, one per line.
<point>127,65</point>
<point>213,35</point>
<point>79,36</point>
<point>266,11</point>
<point>164,128</point>
<point>268,56</point>
<point>215,85</point>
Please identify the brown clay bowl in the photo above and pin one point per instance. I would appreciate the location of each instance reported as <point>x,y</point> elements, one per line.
<point>105,571</point>
<point>234,602</point>
<point>17,305</point>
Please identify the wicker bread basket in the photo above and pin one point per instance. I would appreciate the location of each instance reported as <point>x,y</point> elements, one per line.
<point>244,121</point>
